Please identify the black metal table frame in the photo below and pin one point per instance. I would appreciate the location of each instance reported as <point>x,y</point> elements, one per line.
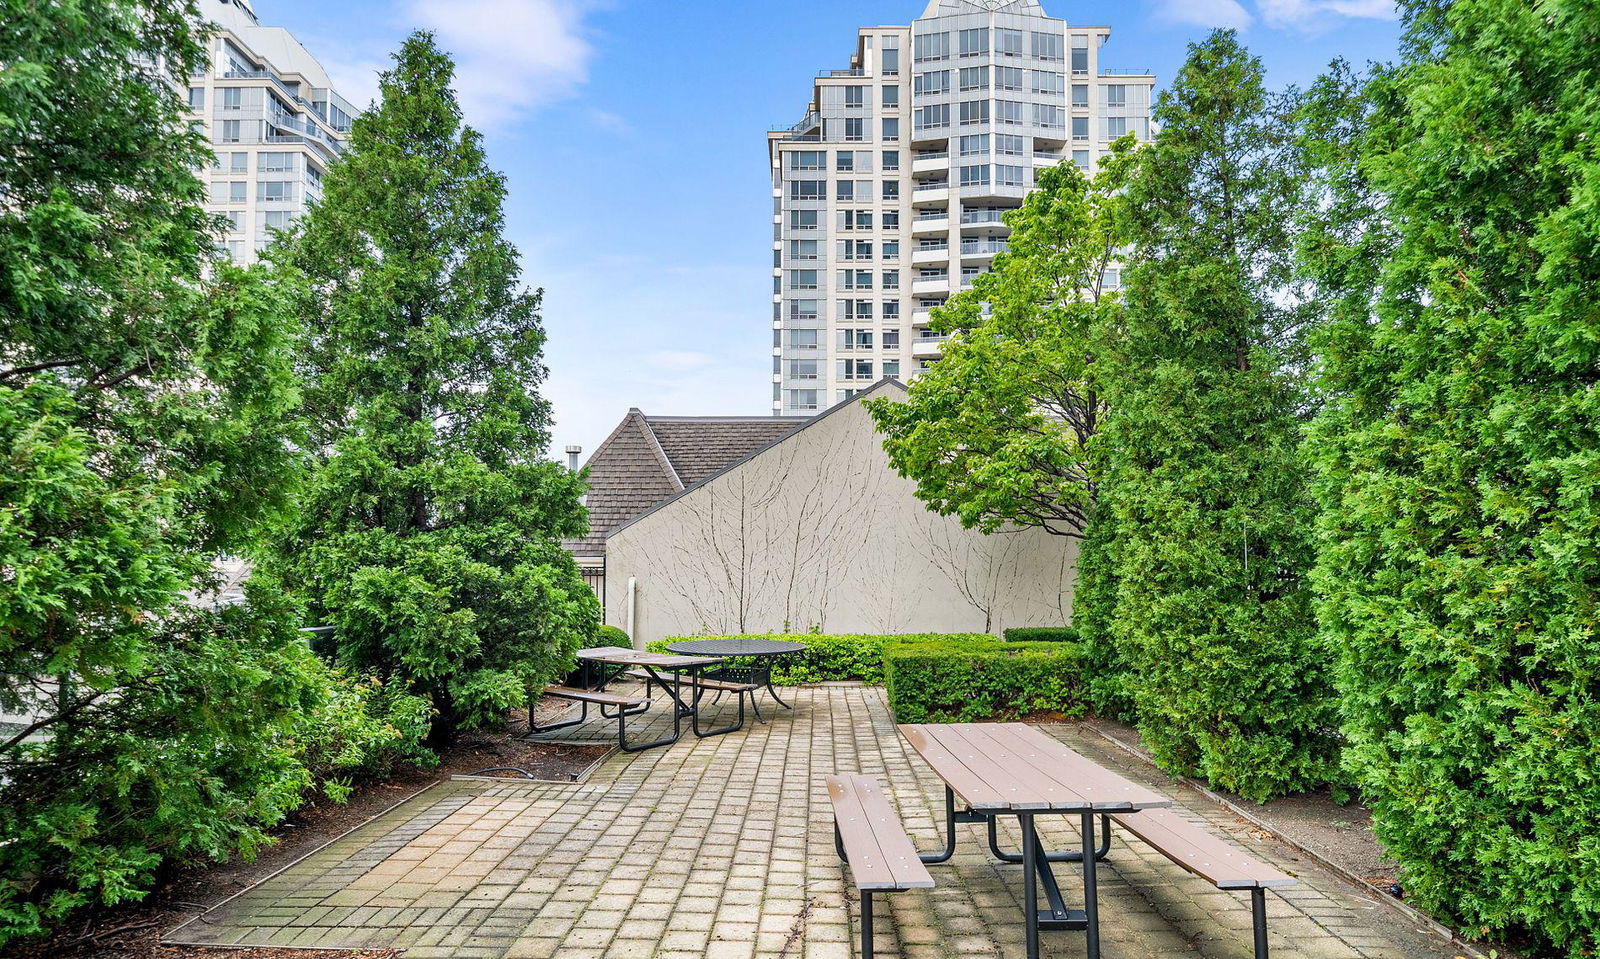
<point>1036,869</point>
<point>674,690</point>
<point>762,667</point>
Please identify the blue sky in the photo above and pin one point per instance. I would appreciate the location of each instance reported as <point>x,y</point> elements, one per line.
<point>633,136</point>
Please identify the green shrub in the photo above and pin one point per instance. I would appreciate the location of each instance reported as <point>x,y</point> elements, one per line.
<point>965,681</point>
<point>361,732</point>
<point>1041,634</point>
<point>834,658</point>
<point>613,636</point>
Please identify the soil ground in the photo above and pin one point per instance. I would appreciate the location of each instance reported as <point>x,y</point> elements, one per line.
<point>134,931</point>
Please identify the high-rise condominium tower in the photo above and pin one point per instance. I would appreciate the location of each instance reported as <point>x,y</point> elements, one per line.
<point>887,197</point>
<point>273,120</point>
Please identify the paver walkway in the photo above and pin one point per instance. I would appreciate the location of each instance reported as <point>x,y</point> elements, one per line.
<point>723,848</point>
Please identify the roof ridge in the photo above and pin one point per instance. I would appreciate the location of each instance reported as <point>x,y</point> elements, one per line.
<point>655,446</point>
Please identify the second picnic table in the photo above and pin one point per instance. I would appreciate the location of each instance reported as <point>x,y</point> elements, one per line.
<point>650,667</point>
<point>1013,769</point>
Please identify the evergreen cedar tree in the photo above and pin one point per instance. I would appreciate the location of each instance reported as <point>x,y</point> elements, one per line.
<point>141,388</point>
<point>428,533</point>
<point>1458,456</point>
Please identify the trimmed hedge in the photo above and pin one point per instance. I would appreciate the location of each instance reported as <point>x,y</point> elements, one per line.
<point>1041,634</point>
<point>613,636</point>
<point>834,658</point>
<point>965,681</point>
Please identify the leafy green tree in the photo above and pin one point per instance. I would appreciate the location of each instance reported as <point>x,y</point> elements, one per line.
<point>429,530</point>
<point>1204,490</point>
<point>1459,458</point>
<point>1001,431</point>
<point>141,384</point>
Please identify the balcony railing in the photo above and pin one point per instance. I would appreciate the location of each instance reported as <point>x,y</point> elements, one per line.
<point>941,185</point>
<point>981,216</point>
<point>937,215</point>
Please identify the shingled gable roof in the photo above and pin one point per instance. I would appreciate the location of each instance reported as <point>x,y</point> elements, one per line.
<point>648,459</point>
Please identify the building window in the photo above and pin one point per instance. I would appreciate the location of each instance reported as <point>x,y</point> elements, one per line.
<point>1116,94</point>
<point>855,129</point>
<point>802,279</point>
<point>975,175</point>
<point>891,161</point>
<point>235,221</point>
<point>1050,116</point>
<point>932,84</point>
<point>891,189</point>
<point>975,43</point>
<point>197,98</point>
<point>1111,279</point>
<point>974,78</point>
<point>855,249</point>
<point>1007,145</point>
<point>930,46</point>
<point>1008,175</point>
<point>854,280</point>
<point>1008,112</point>
<point>232,98</point>
<point>1080,55</point>
<point>891,61</point>
<point>1080,159</point>
<point>891,219</point>
<point>845,162</point>
<point>935,115</point>
<point>807,189</point>
<point>808,160</point>
<point>891,368</point>
<point>854,369</point>
<point>891,311</point>
<point>1008,78</point>
<point>855,220</point>
<point>1116,127</point>
<point>803,219</point>
<point>1051,84</point>
<point>891,97</point>
<point>854,309</point>
<point>231,131</point>
<point>277,219</point>
<point>236,192</point>
<point>1080,94</point>
<point>1080,128</point>
<point>974,112</point>
<point>803,310</point>
<point>1008,43</point>
<point>803,399</point>
<point>804,369</point>
<point>891,250</point>
<point>854,339</point>
<point>274,190</point>
<point>891,129</point>
<point>1047,46</point>
<point>891,279</point>
<point>804,339</point>
<point>975,144</point>
<point>802,249</point>
<point>854,97</point>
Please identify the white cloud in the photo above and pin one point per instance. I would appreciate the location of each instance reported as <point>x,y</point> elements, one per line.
<point>1203,13</point>
<point>356,81</point>
<point>1316,14</point>
<point>512,56</point>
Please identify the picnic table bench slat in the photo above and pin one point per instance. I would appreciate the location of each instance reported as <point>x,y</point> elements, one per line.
<point>1210,857</point>
<point>863,831</point>
<point>593,696</point>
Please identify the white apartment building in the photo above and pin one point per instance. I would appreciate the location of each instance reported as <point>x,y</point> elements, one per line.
<point>887,197</point>
<point>274,122</point>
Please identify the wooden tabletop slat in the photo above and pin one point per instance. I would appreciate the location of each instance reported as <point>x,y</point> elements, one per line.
<point>872,866</point>
<point>1016,766</point>
<point>969,768</point>
<point>1208,856</point>
<point>636,657</point>
<point>1090,780</point>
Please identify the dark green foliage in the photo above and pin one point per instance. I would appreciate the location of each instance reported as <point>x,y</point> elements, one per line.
<point>1002,430</point>
<point>613,636</point>
<point>142,391</point>
<point>834,658</point>
<point>1108,673</point>
<point>1041,634</point>
<point>1210,537</point>
<point>1459,456</point>
<point>431,520</point>
<point>969,680</point>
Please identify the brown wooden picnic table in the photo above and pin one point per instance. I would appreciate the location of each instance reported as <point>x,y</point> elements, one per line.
<point>1013,769</point>
<point>650,667</point>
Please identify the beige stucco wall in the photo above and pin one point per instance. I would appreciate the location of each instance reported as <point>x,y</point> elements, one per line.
<point>819,531</point>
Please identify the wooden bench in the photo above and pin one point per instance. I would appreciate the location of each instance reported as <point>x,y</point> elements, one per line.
<point>870,839</point>
<point>1210,857</point>
<point>624,705</point>
<point>718,686</point>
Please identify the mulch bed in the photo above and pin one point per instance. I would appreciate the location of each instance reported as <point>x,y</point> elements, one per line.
<point>134,931</point>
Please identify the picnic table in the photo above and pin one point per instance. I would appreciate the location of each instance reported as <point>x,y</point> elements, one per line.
<point>1015,770</point>
<point>608,662</point>
<point>746,679</point>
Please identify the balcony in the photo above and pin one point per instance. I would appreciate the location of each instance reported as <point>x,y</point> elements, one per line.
<point>1045,158</point>
<point>927,347</point>
<point>938,253</point>
<point>930,285</point>
<point>930,162</point>
<point>930,223</point>
<point>973,248</point>
<point>931,193</point>
<point>921,317</point>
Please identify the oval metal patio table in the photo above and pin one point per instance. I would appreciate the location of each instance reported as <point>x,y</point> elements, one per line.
<point>761,650</point>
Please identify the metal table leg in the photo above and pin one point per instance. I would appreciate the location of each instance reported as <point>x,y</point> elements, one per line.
<point>1030,894</point>
<point>1070,855</point>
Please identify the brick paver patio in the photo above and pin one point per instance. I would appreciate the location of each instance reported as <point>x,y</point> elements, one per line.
<point>723,848</point>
